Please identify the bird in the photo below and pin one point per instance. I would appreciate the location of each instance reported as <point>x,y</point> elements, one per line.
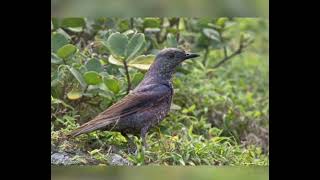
<point>146,105</point>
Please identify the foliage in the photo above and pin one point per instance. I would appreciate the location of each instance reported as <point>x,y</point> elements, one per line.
<point>220,111</point>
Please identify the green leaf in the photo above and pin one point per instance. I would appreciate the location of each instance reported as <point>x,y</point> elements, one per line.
<point>54,82</point>
<point>129,32</point>
<point>151,22</point>
<point>137,78</point>
<point>73,22</point>
<point>94,65</point>
<point>171,40</point>
<point>92,78</point>
<point>222,21</point>
<point>117,44</point>
<point>66,35</point>
<point>142,62</point>
<point>181,25</point>
<point>55,23</point>
<point>58,101</point>
<point>135,45</point>
<point>212,34</point>
<point>152,30</point>
<point>57,41</point>
<point>112,84</point>
<point>74,95</point>
<point>55,59</point>
<point>214,26</point>
<point>123,25</point>
<point>76,29</point>
<point>172,30</point>
<point>175,107</point>
<point>66,51</point>
<point>114,61</point>
<point>78,76</point>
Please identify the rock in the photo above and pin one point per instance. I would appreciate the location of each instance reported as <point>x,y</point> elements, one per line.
<point>117,160</point>
<point>59,158</point>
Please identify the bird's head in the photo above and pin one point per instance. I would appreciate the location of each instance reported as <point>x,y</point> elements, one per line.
<point>166,62</point>
<point>171,57</point>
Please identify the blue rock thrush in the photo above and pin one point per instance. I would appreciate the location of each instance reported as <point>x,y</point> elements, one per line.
<point>146,105</point>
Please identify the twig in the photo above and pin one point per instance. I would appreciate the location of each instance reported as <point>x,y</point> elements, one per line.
<point>128,76</point>
<point>238,51</point>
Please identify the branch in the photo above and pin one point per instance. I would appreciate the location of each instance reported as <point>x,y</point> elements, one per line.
<point>238,51</point>
<point>128,76</point>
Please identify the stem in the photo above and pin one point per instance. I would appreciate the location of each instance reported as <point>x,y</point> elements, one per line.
<point>128,76</point>
<point>224,47</point>
<point>205,57</point>
<point>178,33</point>
<point>81,100</point>
<point>85,89</point>
<point>164,37</point>
<point>131,23</point>
<point>225,52</point>
<point>64,61</point>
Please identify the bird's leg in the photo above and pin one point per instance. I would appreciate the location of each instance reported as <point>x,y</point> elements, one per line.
<point>144,131</point>
<point>131,146</point>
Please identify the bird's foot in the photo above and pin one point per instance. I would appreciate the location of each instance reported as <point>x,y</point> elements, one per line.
<point>132,148</point>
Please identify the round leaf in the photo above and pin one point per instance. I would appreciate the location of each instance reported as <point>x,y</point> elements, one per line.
<point>94,65</point>
<point>151,22</point>
<point>123,25</point>
<point>114,61</point>
<point>112,84</point>
<point>57,41</point>
<point>78,76</point>
<point>74,95</point>
<point>222,21</point>
<point>117,44</point>
<point>135,45</point>
<point>73,22</point>
<point>212,34</point>
<point>151,30</point>
<point>137,78</point>
<point>92,78</point>
<point>142,62</point>
<point>129,32</point>
<point>182,25</point>
<point>175,107</point>
<point>66,51</point>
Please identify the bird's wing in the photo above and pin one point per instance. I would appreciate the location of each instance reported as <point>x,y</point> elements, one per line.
<point>139,100</point>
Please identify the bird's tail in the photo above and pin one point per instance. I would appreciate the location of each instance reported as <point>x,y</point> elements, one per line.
<point>88,127</point>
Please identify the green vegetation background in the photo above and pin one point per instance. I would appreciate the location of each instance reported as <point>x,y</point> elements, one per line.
<point>220,115</point>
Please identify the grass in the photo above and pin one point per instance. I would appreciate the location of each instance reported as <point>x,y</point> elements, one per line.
<point>220,116</point>
<point>210,127</point>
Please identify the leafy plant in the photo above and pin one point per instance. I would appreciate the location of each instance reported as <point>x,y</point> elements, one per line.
<point>220,111</point>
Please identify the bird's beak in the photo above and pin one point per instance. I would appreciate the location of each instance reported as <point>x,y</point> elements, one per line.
<point>191,55</point>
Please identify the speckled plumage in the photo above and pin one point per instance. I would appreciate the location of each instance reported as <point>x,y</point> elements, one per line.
<point>146,105</point>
